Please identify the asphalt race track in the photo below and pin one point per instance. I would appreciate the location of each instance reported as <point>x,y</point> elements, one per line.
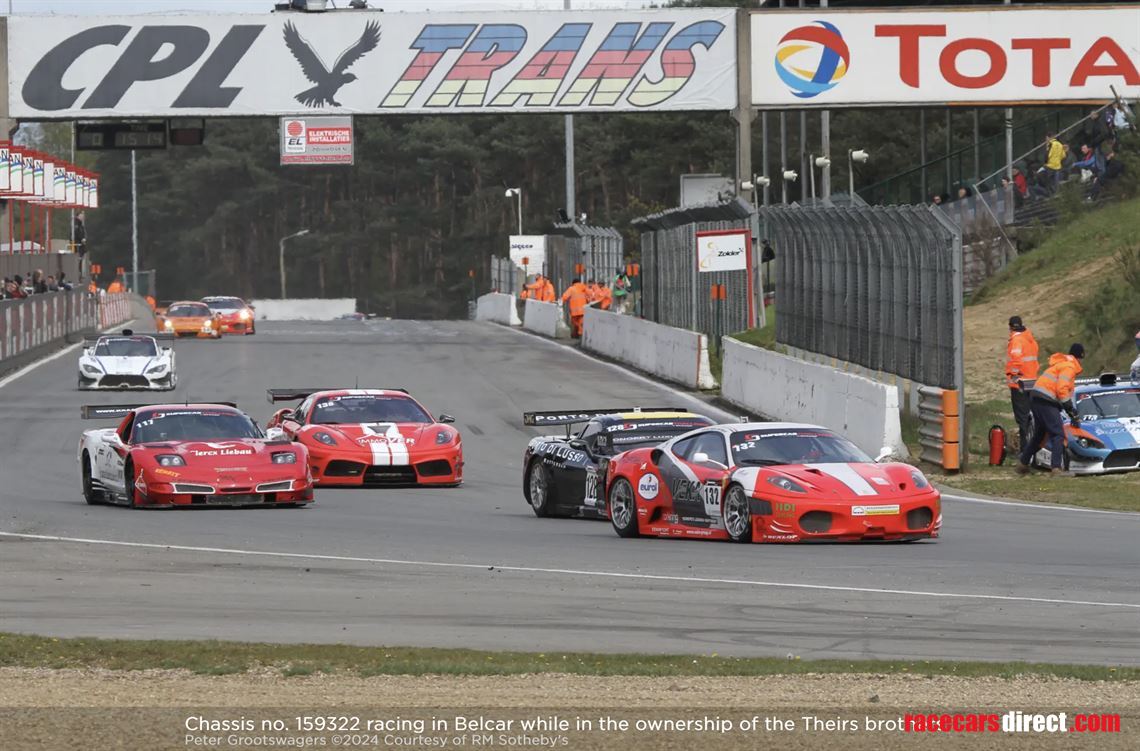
<point>473,567</point>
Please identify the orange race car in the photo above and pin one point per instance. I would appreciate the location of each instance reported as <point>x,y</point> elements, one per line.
<point>236,314</point>
<point>189,319</point>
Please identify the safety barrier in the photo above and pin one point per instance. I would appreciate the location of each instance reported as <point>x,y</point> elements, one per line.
<point>303,309</point>
<point>940,434</point>
<point>114,309</point>
<point>544,318</point>
<point>674,354</point>
<point>498,308</point>
<point>32,326</point>
<point>781,387</point>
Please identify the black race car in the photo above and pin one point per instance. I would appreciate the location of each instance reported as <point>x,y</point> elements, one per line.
<point>565,475</point>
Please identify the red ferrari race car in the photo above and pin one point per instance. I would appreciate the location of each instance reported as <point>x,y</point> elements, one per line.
<point>234,315</point>
<point>370,437</point>
<point>164,455</point>
<point>768,482</point>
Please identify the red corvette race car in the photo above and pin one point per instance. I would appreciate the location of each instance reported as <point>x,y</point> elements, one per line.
<point>189,455</point>
<point>767,482</point>
<point>370,437</point>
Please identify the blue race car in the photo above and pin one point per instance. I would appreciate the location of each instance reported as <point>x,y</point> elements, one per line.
<point>1108,437</point>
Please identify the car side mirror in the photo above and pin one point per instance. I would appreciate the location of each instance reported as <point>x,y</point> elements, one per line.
<point>886,453</point>
<point>655,456</point>
<point>577,443</point>
<point>446,418</point>
<point>275,434</point>
<point>700,458</point>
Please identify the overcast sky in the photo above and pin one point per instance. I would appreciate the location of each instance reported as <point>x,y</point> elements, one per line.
<point>111,7</point>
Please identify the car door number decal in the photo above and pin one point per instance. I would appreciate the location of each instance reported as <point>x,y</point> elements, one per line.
<point>711,493</point>
<point>591,487</point>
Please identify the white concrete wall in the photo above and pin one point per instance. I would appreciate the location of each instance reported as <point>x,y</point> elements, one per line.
<point>676,355</point>
<point>545,318</point>
<point>786,388</point>
<point>498,308</point>
<point>314,309</point>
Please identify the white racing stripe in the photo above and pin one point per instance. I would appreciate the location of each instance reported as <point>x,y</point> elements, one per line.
<point>381,453</point>
<point>854,481</point>
<point>575,572</point>
<point>396,446</point>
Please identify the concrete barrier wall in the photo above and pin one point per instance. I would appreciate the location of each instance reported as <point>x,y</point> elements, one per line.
<point>676,355</point>
<point>301,309</point>
<point>498,308</point>
<point>785,388</point>
<point>545,318</point>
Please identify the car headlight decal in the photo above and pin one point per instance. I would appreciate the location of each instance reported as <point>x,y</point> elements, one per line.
<point>170,460</point>
<point>325,438</point>
<point>786,484</point>
<point>284,457</point>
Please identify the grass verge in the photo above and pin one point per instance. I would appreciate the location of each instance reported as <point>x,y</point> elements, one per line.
<point>761,337</point>
<point>220,658</point>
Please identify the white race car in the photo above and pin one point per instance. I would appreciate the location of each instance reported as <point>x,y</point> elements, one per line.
<point>127,361</point>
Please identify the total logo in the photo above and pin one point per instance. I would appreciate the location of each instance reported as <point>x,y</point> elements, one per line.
<point>812,59</point>
<point>648,487</point>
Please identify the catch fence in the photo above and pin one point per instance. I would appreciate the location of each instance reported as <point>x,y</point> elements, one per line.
<point>879,287</point>
<point>674,292</point>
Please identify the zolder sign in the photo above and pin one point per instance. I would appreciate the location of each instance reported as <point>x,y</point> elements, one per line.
<point>344,63</point>
<point>1016,55</point>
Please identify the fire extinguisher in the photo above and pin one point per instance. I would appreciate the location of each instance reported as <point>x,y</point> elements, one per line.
<point>997,446</point>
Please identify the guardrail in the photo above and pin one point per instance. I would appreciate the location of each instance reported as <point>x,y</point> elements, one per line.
<point>114,308</point>
<point>940,433</point>
<point>34,325</point>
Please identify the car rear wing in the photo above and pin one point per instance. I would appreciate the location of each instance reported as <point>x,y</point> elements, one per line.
<point>295,395</point>
<point>574,416</point>
<point>119,411</point>
<point>1105,379</point>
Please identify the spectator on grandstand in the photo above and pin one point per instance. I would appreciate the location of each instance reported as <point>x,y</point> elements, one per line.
<point>936,200</point>
<point>1051,393</point>
<point>1113,168</point>
<point>1020,365</point>
<point>1020,183</point>
<point>65,285</point>
<point>1093,130</point>
<point>1054,160</point>
<point>1121,116</point>
<point>964,191</point>
<point>52,284</point>
<point>39,283</point>
<point>14,288</point>
<point>1090,161</point>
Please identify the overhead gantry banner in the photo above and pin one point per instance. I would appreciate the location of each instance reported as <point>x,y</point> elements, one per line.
<point>966,55</point>
<point>362,62</point>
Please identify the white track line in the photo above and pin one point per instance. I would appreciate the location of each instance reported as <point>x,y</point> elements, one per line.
<point>1029,505</point>
<point>571,572</point>
<point>726,416</point>
<point>54,356</point>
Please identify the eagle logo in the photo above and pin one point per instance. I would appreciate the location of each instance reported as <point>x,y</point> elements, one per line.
<point>328,82</point>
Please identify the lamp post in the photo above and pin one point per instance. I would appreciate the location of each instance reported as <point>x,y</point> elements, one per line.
<point>516,193</point>
<point>854,155</point>
<point>823,163</point>
<point>281,257</point>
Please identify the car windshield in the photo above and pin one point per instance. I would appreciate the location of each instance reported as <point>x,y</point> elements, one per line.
<point>193,425</point>
<point>224,303</point>
<point>1109,405</point>
<point>137,346</point>
<point>792,446</point>
<point>636,434</point>
<point>187,311</point>
<point>367,408</point>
